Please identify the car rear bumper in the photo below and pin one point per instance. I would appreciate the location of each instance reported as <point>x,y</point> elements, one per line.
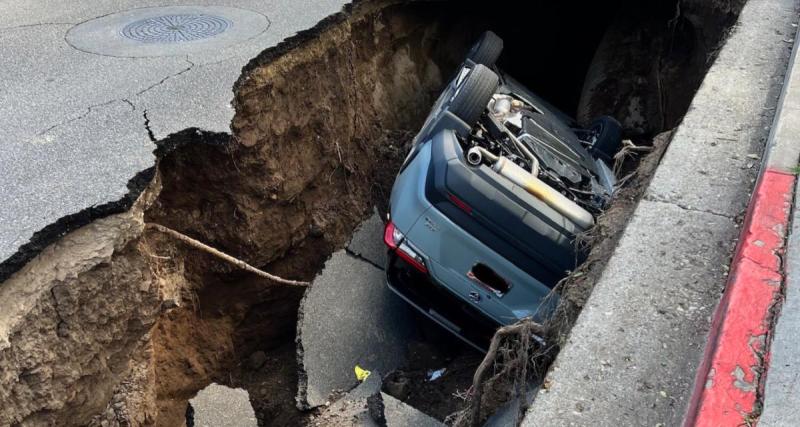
<point>439,304</point>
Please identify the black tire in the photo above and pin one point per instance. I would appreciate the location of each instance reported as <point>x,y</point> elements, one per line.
<point>608,134</point>
<point>474,94</point>
<point>486,50</point>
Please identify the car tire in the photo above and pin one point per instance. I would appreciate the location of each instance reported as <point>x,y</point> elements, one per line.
<point>608,134</point>
<point>474,93</point>
<point>486,50</point>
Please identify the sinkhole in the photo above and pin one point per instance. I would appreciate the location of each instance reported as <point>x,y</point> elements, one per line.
<point>137,322</point>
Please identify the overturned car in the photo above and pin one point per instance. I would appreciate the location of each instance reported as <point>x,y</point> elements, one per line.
<point>486,208</point>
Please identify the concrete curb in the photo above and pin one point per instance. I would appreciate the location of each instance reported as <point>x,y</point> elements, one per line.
<point>729,380</point>
<point>731,376</point>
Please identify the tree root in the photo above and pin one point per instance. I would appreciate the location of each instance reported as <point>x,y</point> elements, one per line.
<point>512,345</point>
<point>223,256</point>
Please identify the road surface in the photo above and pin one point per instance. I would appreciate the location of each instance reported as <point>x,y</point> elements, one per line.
<point>89,85</point>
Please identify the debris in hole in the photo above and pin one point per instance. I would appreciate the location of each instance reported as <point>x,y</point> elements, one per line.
<point>436,349</point>
<point>359,406</point>
<point>397,386</point>
<point>436,374</point>
<point>361,373</point>
<point>507,364</point>
<point>220,406</point>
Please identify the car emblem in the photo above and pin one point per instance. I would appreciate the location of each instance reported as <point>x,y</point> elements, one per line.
<point>431,225</point>
<point>474,296</point>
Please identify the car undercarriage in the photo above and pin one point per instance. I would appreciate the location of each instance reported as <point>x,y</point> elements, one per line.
<point>487,210</point>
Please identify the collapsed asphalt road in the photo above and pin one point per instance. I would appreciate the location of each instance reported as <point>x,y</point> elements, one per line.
<point>82,102</point>
<point>349,318</point>
<point>135,323</point>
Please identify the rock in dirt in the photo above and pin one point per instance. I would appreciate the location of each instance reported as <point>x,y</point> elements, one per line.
<point>398,387</point>
<point>362,406</point>
<point>348,317</point>
<point>220,406</point>
<point>398,414</point>
<point>256,360</point>
<point>367,406</point>
<point>507,414</point>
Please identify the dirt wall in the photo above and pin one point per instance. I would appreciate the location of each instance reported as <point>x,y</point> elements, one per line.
<point>71,319</point>
<point>651,61</point>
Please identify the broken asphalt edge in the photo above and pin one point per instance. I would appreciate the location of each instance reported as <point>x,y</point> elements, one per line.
<point>729,388</point>
<point>137,184</point>
<point>633,354</point>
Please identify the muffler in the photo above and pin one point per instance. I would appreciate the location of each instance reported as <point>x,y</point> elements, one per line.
<point>533,185</point>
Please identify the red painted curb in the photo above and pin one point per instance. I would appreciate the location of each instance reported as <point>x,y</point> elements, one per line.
<point>730,376</point>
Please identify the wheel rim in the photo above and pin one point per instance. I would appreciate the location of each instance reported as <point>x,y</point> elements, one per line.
<point>597,129</point>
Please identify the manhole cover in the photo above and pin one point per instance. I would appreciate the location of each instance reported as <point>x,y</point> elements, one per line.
<point>175,28</point>
<point>167,31</point>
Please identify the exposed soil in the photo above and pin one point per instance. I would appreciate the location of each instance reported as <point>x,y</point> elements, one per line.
<point>652,59</point>
<point>434,349</point>
<point>112,325</point>
<point>272,387</point>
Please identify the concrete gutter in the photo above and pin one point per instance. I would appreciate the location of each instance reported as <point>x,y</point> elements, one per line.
<point>730,379</point>
<point>632,356</point>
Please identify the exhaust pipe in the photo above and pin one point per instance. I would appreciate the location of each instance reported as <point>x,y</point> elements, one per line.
<point>475,156</point>
<point>544,192</point>
<point>533,185</point>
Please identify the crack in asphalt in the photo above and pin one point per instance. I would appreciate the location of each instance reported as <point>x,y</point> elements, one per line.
<point>41,24</point>
<point>185,70</point>
<point>91,108</point>
<point>361,258</point>
<point>88,111</point>
<point>150,133</point>
<point>656,199</point>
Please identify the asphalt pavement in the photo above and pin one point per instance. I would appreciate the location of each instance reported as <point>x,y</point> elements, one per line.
<point>221,406</point>
<point>88,85</point>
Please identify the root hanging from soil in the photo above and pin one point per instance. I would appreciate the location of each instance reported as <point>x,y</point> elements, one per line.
<point>223,256</point>
<point>506,366</point>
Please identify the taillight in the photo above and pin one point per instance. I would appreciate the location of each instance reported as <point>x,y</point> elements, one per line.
<point>392,236</point>
<point>396,242</point>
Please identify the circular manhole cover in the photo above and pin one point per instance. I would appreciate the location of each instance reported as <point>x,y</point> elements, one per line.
<point>176,28</point>
<point>166,31</point>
